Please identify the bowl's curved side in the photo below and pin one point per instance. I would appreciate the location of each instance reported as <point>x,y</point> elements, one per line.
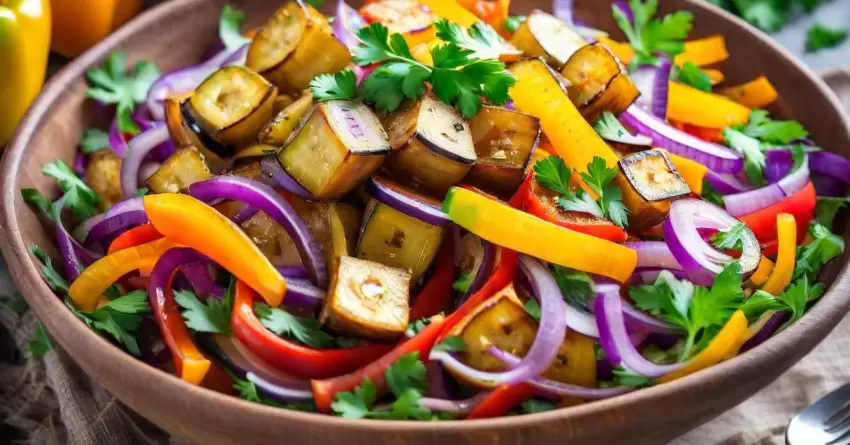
<point>650,416</point>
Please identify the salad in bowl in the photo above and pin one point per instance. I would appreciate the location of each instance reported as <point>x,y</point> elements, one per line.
<point>434,210</point>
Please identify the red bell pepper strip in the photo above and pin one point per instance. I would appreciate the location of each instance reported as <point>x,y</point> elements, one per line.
<point>500,402</point>
<point>801,205</point>
<point>324,391</point>
<point>436,293</point>
<point>292,358</point>
<point>135,237</point>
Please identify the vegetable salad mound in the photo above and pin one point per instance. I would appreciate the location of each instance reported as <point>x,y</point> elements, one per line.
<point>433,210</point>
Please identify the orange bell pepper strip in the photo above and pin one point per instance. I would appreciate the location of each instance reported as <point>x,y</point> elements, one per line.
<point>292,358</point>
<point>189,364</point>
<point>692,106</point>
<point>134,237</point>
<point>324,391</point>
<point>727,341</point>
<point>80,24</point>
<point>762,273</point>
<point>801,205</point>
<point>189,222</point>
<point>786,226</point>
<point>437,291</point>
<point>622,50</point>
<point>757,93</point>
<point>691,171</point>
<point>707,134</point>
<point>492,12</point>
<point>716,76</point>
<point>86,290</point>
<point>704,52</point>
<point>500,402</point>
<point>452,11</point>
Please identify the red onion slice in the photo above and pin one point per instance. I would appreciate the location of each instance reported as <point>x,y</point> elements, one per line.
<point>715,157</point>
<point>563,9</point>
<point>199,278</point>
<point>764,328</point>
<point>547,342</point>
<point>726,184</point>
<point>116,139</point>
<point>263,197</point>
<point>777,165</point>
<point>346,24</point>
<point>71,263</point>
<point>386,193</point>
<point>691,250</point>
<point>615,340</point>
<point>748,202</point>
<point>140,146</point>
<point>635,316</point>
<point>292,271</point>
<point>829,187</point>
<point>830,164</point>
<point>303,294</point>
<point>653,81</point>
<point>452,406</point>
<point>272,170</point>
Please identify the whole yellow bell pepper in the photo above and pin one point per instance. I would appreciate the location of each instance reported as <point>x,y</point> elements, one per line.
<point>24,46</point>
<point>80,24</point>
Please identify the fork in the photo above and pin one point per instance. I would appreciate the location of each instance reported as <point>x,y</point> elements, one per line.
<point>826,422</point>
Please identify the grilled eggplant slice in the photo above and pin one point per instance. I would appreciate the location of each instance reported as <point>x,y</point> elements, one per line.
<point>546,36</point>
<point>597,82</point>
<point>504,142</point>
<point>294,46</point>
<point>409,18</point>
<point>367,300</point>
<point>649,183</point>
<point>393,238</point>
<point>339,144</point>
<point>233,104</point>
<point>432,145</point>
<point>182,169</point>
<point>278,131</point>
<point>103,175</point>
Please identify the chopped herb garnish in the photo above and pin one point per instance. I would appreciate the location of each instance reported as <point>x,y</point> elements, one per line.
<point>693,75</point>
<point>212,315</point>
<point>94,140</point>
<point>36,200</point>
<point>631,379</point>
<point>827,209</point>
<point>305,330</point>
<point>513,22</point>
<point>649,35</point>
<point>339,86</point>
<point>812,257</point>
<point>576,286</point>
<point>79,197</point>
<point>228,27</point>
<point>53,278</point>
<point>120,318</point>
<point>730,239</point>
<point>111,84</point>
<point>451,344</point>
<point>821,36</point>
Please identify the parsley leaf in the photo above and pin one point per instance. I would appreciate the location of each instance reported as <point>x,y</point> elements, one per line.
<point>691,74</point>
<point>41,343</point>
<point>110,84</point>
<point>710,194</point>
<point>405,407</point>
<point>769,15</point>
<point>451,344</point>
<point>827,209</point>
<point>339,86</point>
<point>481,38</point>
<point>598,177</point>
<point>417,326</point>
<point>15,302</point>
<point>533,308</point>
<point>355,404</point>
<point>463,283</point>
<point>610,128</point>
<point>305,330</point>
<point>760,303</point>
<point>576,286</point>
<point>513,22</point>
<point>81,199</point>
<point>213,315</point>
<point>820,36</point>
<point>750,148</point>
<point>120,318</point>
<point>228,27</point>
<point>553,173</point>
<point>765,129</point>
<point>649,35</point>
<point>812,257</point>
<point>536,405</point>
<point>631,379</point>
<point>94,140</point>
<point>247,390</point>
<point>53,278</point>
<point>730,239</point>
<point>36,200</point>
<point>407,373</point>
<point>798,295</point>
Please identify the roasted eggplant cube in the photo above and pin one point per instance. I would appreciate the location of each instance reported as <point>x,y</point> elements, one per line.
<point>344,221</point>
<point>233,104</point>
<point>649,183</point>
<point>432,145</point>
<point>294,46</point>
<point>278,131</point>
<point>598,83</point>
<point>182,169</point>
<point>393,238</point>
<point>409,18</point>
<point>504,142</point>
<point>367,300</point>
<point>546,36</point>
<point>103,175</point>
<point>338,146</point>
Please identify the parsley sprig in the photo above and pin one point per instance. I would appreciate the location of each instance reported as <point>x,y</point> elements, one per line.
<point>649,35</point>
<point>212,315</point>
<point>576,286</point>
<point>759,134</point>
<point>120,319</point>
<point>827,209</point>
<point>248,390</point>
<point>693,75</point>
<point>730,239</point>
<point>821,36</point>
<point>794,300</point>
<point>112,84</point>
<point>228,27</point>
<point>812,257</point>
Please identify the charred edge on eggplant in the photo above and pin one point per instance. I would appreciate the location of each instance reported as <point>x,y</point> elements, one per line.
<point>652,175</point>
<point>221,150</point>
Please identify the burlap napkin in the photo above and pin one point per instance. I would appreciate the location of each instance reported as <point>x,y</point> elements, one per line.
<point>49,401</point>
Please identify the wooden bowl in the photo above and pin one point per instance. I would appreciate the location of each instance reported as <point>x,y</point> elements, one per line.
<point>177,33</point>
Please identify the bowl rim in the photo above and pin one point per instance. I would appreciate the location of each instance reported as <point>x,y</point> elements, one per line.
<point>821,318</point>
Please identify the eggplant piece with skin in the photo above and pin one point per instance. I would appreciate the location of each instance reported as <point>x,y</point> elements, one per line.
<point>409,18</point>
<point>432,145</point>
<point>399,240</point>
<point>504,143</point>
<point>103,175</point>
<point>650,182</point>
<point>367,300</point>
<point>339,145</point>
<point>182,169</point>
<point>546,36</point>
<point>598,83</point>
<point>281,127</point>
<point>294,46</point>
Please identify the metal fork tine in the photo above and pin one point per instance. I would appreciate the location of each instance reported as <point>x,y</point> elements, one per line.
<point>839,419</point>
<point>826,422</point>
<point>843,439</point>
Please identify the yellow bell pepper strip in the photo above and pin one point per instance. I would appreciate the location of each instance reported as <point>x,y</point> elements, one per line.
<point>80,24</point>
<point>24,47</point>
<point>727,340</point>
<point>86,290</point>
<point>786,228</point>
<point>716,76</point>
<point>691,171</point>
<point>692,106</point>
<point>189,222</point>
<point>514,229</point>
<point>757,93</point>
<point>762,273</point>
<point>452,11</point>
<point>704,52</point>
